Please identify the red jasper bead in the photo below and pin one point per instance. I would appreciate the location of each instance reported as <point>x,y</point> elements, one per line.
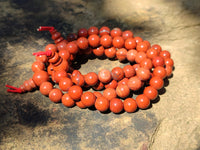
<point>157,47</point>
<point>75,92</point>
<point>150,92</point>
<point>156,82</point>
<point>102,104</point>
<point>80,104</point>
<point>82,43</point>
<point>27,86</point>
<point>58,75</point>
<point>71,37</point>
<point>129,71</point>
<point>127,34</point>
<point>104,31</point>
<point>143,74</point>
<point>116,32</point>
<point>99,51</point>
<point>160,72</point>
<point>117,73</point>
<point>55,95</point>
<point>106,41</point>
<point>110,52</point>
<point>72,47</point>
<point>104,76</point>
<point>136,66</point>
<point>65,83</point>
<point>116,105</point>
<point>37,66</point>
<point>67,100</point>
<point>123,81</point>
<point>131,54</point>
<point>94,40</point>
<point>122,90</point>
<point>142,101</point>
<point>147,43</point>
<point>118,42</point>
<point>146,63</point>
<point>142,47</point>
<point>42,58</point>
<point>111,84</point>
<point>93,30</point>
<point>46,87</point>
<point>109,93</point>
<point>151,53</point>
<point>99,86</point>
<point>140,56</point>
<point>56,35</point>
<point>121,54</point>
<point>82,32</point>
<point>158,61</point>
<point>39,77</point>
<point>168,70</point>
<point>130,105</point>
<point>165,54</point>
<point>65,54</point>
<point>91,78</point>
<point>130,43</point>
<point>51,47</point>
<point>88,99</point>
<point>138,39</point>
<point>97,94</point>
<point>169,62</point>
<point>78,79</point>
<point>134,83</point>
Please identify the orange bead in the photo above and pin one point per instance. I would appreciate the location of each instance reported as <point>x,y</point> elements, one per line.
<point>150,92</point>
<point>127,34</point>
<point>110,52</point>
<point>136,66</point>
<point>130,43</point>
<point>58,75</point>
<point>39,77</point>
<point>131,54</point>
<point>71,37</point>
<point>157,47</point>
<point>91,78</point>
<point>142,101</point>
<point>88,99</point>
<point>140,56</point>
<point>134,83</point>
<point>111,84</point>
<point>37,66</point>
<point>129,71</point>
<point>109,93</point>
<point>46,87</point>
<point>116,32</point>
<point>106,41</point>
<point>156,82</point>
<point>78,80</point>
<point>160,72</point>
<point>121,54</point>
<point>82,43</point>
<point>116,105</point>
<point>123,81</point>
<point>80,104</point>
<point>27,86</point>
<point>146,63</point>
<point>61,43</point>
<point>158,61</point>
<point>165,54</point>
<point>65,83</point>
<point>82,32</point>
<point>143,74</point>
<point>104,76</point>
<point>169,62</point>
<point>55,35</point>
<point>151,53</point>
<point>138,39</point>
<point>93,30</point>
<point>94,40</point>
<point>67,100</point>
<point>64,65</point>
<point>130,105</point>
<point>42,58</point>
<point>75,92</point>
<point>117,73</point>
<point>55,95</point>
<point>72,47</point>
<point>118,42</point>
<point>104,31</point>
<point>51,47</point>
<point>99,51</point>
<point>122,90</point>
<point>97,94</point>
<point>147,43</point>
<point>65,54</point>
<point>168,70</point>
<point>142,47</point>
<point>102,104</point>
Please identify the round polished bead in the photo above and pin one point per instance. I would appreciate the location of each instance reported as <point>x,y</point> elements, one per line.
<point>123,81</point>
<point>127,34</point>
<point>160,72</point>
<point>91,78</point>
<point>117,73</point>
<point>138,39</point>
<point>146,63</point>
<point>111,84</point>
<point>51,47</point>
<point>143,74</point>
<point>75,92</point>
<point>136,66</point>
<point>102,104</point>
<point>65,54</point>
<point>110,52</point>
<point>72,47</point>
<point>130,105</point>
<point>156,82</point>
<point>83,32</point>
<point>134,83</point>
<point>121,54</point>
<point>140,56</point>
<point>58,75</point>
<point>41,58</point>
<point>165,54</point>
<point>118,42</point>
<point>106,41</point>
<point>147,43</point>
<point>55,95</point>
<point>131,54</point>
<point>39,77</point>
<point>122,90</point>
<point>169,62</point>
<point>37,66</point>
<point>104,76</point>
<point>88,99</point>
<point>116,32</point>
<point>78,79</point>
<point>99,51</point>
<point>94,40</point>
<point>158,61</point>
<point>82,43</point>
<point>71,37</point>
<point>80,104</point>
<point>116,105</point>
<point>67,100</point>
<point>130,43</point>
<point>142,47</point>
<point>46,87</point>
<point>168,70</point>
<point>97,94</point>
<point>129,71</point>
<point>151,53</point>
<point>65,83</point>
<point>142,101</point>
<point>104,31</point>
<point>150,92</point>
<point>109,93</point>
<point>157,47</point>
<point>93,30</point>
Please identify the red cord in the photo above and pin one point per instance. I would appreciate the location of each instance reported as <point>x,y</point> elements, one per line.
<point>45,28</point>
<point>13,89</point>
<point>47,53</point>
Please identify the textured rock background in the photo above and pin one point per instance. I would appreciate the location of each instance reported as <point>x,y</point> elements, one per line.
<point>31,121</point>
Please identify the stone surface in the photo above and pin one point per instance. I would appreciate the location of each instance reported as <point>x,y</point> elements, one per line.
<point>32,121</point>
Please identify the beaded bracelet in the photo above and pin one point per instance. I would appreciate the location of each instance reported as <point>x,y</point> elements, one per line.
<point>149,66</point>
